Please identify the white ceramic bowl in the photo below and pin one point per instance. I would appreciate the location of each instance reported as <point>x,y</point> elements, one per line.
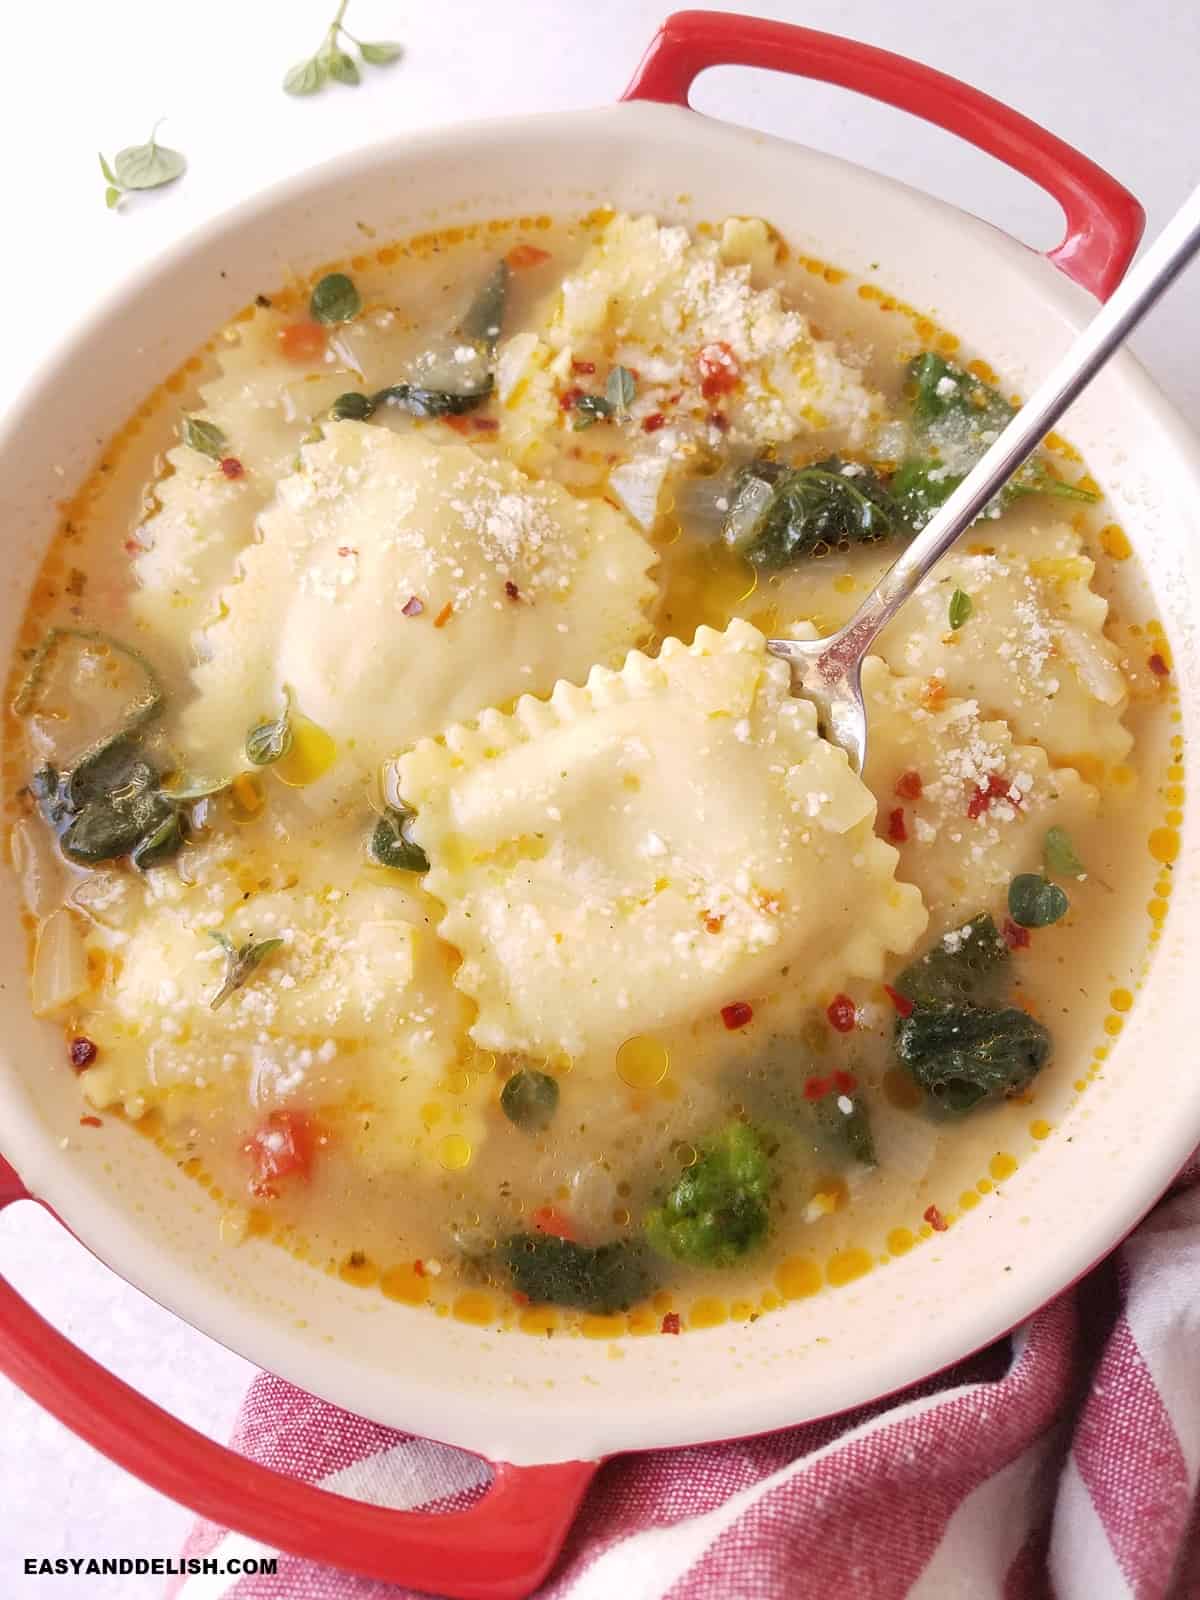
<point>1114,1152</point>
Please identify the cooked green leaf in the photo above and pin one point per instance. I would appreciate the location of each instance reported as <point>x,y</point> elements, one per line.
<point>352,407</point>
<point>198,434</point>
<point>241,962</point>
<point>161,843</point>
<point>335,299</point>
<point>391,845</point>
<point>589,409</point>
<point>270,741</point>
<point>1035,902</point>
<point>843,1120</point>
<point>1060,855</point>
<point>960,608</point>
<point>600,1278</point>
<point>484,317</point>
<point>963,1055</point>
<point>529,1099</point>
<point>968,963</point>
<point>780,515</point>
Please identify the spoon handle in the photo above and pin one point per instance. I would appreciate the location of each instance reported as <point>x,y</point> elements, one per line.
<point>1162,263</point>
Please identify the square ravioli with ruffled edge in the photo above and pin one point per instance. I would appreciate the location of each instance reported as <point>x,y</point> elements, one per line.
<point>399,585</point>
<point>650,848</point>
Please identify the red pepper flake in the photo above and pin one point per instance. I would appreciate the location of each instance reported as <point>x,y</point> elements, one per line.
<point>1015,937</point>
<point>519,1298</point>
<point>461,425</point>
<point>844,1082</point>
<point>712,924</point>
<point>653,422</point>
<point>90,1122</point>
<point>347,550</point>
<point>901,1001</point>
<point>444,615</point>
<point>817,1088</point>
<point>736,1015</point>
<point>719,371</point>
<point>412,607</point>
<point>670,1323</point>
<point>896,831</point>
<point>998,788</point>
<point>485,425</point>
<point>841,1013</point>
<point>232,467</point>
<point>1157,665</point>
<point>133,548</point>
<point>568,399</point>
<point>82,1053</point>
<point>547,1219</point>
<point>511,590</point>
<point>718,420</point>
<point>526,255</point>
<point>419,1268</point>
<point>935,1219</point>
<point>909,786</point>
<point>583,369</point>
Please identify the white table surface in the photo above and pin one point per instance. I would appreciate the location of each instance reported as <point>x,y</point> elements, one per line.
<point>1118,80</point>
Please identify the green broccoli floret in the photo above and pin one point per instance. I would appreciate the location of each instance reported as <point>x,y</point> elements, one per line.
<point>600,1278</point>
<point>717,1212</point>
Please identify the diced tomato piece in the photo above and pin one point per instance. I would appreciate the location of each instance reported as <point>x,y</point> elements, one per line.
<point>817,1088</point>
<point>842,1013</point>
<point>901,1001</point>
<point>909,786</point>
<point>719,370</point>
<point>232,467</point>
<point>653,422</point>
<point>844,1082</point>
<point>548,1219</point>
<point>1015,937</point>
<point>935,1219</point>
<point>1158,665</point>
<point>582,368</point>
<point>670,1323</point>
<point>736,1015</point>
<point>302,341</point>
<point>526,255</point>
<point>897,831</point>
<point>281,1148</point>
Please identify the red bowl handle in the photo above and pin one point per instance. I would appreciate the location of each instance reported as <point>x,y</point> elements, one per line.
<point>1104,221</point>
<point>500,1548</point>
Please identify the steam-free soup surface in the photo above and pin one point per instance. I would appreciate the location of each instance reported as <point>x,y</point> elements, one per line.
<point>419,841</point>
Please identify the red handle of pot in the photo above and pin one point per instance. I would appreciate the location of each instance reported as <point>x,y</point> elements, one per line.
<point>498,1549</point>
<point>1104,221</point>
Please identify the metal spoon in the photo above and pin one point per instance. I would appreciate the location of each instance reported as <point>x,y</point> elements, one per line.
<point>828,671</point>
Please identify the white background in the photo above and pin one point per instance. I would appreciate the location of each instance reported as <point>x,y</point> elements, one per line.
<point>1115,78</point>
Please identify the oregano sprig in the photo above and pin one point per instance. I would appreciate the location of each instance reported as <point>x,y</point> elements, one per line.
<point>331,62</point>
<point>141,166</point>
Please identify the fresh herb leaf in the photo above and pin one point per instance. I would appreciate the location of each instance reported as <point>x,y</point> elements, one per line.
<point>590,409</point>
<point>969,963</point>
<point>597,1278</point>
<point>112,198</point>
<point>717,1211</point>
<point>331,61</point>
<point>306,77</point>
<point>270,741</point>
<point>960,609</point>
<point>352,407</point>
<point>1059,855</point>
<point>620,390</point>
<point>380,53</point>
<point>147,166</point>
<point>430,402</point>
<point>1035,902</point>
<point>109,174</point>
<point>335,299</point>
<point>529,1099</point>
<point>160,843</point>
<point>780,515</point>
<point>241,962</point>
<point>963,1055</point>
<point>484,317</point>
<point>391,846</point>
<point>205,437</point>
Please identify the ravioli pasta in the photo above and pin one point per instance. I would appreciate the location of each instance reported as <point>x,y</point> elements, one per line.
<point>583,847</point>
<point>508,586</point>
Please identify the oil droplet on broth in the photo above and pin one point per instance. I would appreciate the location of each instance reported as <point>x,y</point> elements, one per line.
<point>312,754</point>
<point>454,1152</point>
<point>405,1284</point>
<point>642,1062</point>
<point>797,1278</point>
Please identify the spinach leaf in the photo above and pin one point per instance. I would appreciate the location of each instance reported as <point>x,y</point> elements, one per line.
<point>391,846</point>
<point>971,963</point>
<point>109,805</point>
<point>419,402</point>
<point>717,1210</point>
<point>484,317</point>
<point>529,1099</point>
<point>598,1278</point>
<point>848,1132</point>
<point>1035,902</point>
<point>335,298</point>
<point>963,1055</point>
<point>780,515</point>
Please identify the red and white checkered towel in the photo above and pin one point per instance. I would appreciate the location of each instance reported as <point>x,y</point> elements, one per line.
<point>1061,1462</point>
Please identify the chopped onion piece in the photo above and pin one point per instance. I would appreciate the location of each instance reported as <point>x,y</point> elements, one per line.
<point>1099,676</point>
<point>60,972</point>
<point>513,363</point>
<point>37,865</point>
<point>638,486</point>
<point>746,512</point>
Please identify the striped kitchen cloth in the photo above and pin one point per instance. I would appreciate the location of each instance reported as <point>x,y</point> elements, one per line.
<point>1060,1462</point>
